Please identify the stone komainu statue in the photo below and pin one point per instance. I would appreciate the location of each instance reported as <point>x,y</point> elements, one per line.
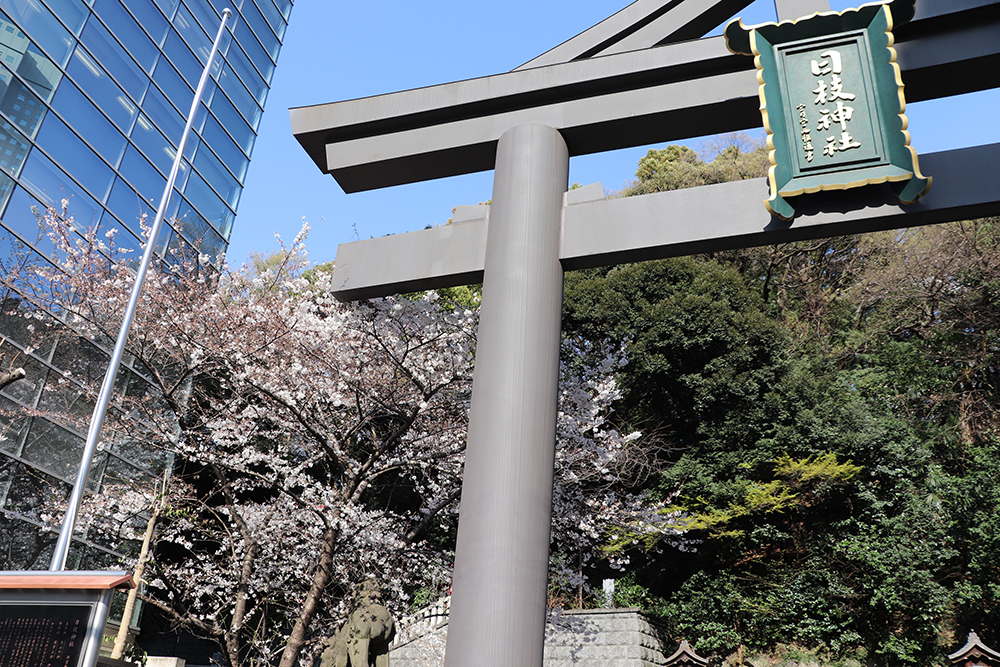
<point>364,639</point>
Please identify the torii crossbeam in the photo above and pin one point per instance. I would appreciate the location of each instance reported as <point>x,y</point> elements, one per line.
<point>607,88</point>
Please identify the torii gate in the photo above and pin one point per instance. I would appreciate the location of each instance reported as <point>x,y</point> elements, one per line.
<point>605,89</point>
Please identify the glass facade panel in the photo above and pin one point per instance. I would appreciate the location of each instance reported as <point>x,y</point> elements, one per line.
<point>13,427</point>
<point>196,38</point>
<point>25,545</point>
<point>75,157</point>
<point>154,146</point>
<point>218,176</point>
<point>272,16</point>
<point>53,448</point>
<point>168,7</point>
<point>228,151</point>
<point>233,121</point>
<point>29,492</point>
<point>39,72</point>
<point>98,556</point>
<point>119,472</point>
<point>184,61</point>
<point>106,50</point>
<point>85,118</point>
<point>163,114</point>
<point>19,104</point>
<point>238,95</point>
<point>72,12</point>
<point>124,238</point>
<point>143,176</point>
<point>191,225</point>
<point>20,218</point>
<point>248,75</point>
<point>80,358</point>
<point>109,97</point>
<point>13,42</point>
<point>35,19</point>
<point>130,35</point>
<point>14,148</point>
<point>178,250</point>
<point>213,244</point>
<point>107,148</point>
<point>6,187</point>
<point>154,461</point>
<point>260,27</point>
<point>27,391</point>
<point>207,202</point>
<point>173,85</point>
<point>253,49</point>
<point>128,207</point>
<point>50,185</point>
<point>202,13</point>
<point>149,17</point>
<point>66,401</point>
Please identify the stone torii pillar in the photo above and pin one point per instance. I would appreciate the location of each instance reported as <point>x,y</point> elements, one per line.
<point>501,561</point>
<point>604,89</point>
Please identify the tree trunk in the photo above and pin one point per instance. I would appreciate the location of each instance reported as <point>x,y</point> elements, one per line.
<point>320,580</point>
<point>11,377</point>
<point>140,567</point>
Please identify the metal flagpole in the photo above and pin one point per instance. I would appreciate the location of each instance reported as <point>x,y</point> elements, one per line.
<point>97,419</point>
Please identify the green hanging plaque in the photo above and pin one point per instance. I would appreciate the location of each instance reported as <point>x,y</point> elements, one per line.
<point>832,102</point>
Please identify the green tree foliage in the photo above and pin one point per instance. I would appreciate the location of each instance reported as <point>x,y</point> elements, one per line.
<point>826,413</point>
<point>735,157</point>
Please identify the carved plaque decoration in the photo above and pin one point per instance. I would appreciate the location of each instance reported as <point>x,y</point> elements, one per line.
<point>831,98</point>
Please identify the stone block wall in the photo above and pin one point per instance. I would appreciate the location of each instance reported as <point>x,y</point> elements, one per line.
<point>577,638</point>
<point>602,638</point>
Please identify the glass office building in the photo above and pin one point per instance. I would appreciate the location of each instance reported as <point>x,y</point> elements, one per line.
<point>93,99</point>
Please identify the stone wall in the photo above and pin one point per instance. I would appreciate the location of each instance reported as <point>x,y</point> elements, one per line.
<point>577,638</point>
<point>602,638</point>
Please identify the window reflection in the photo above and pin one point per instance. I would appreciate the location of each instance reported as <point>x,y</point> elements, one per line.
<point>260,27</point>
<point>20,218</point>
<point>84,117</point>
<point>51,185</point>
<point>143,176</point>
<point>173,85</point>
<point>241,99</point>
<point>273,16</point>
<point>114,60</point>
<point>218,176</point>
<point>233,122</point>
<point>149,18</point>
<point>45,28</point>
<point>72,12</point>
<point>131,36</point>
<point>223,145</point>
<point>13,148</point>
<point>102,89</point>
<point>74,157</point>
<point>129,208</point>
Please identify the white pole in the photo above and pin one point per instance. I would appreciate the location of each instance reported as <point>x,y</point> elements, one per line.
<point>97,419</point>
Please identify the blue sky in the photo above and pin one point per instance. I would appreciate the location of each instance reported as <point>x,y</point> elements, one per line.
<point>338,50</point>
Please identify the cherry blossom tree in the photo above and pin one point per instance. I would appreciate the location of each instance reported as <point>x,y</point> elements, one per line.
<point>317,443</point>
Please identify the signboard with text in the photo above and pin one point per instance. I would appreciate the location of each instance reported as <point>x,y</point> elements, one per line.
<point>43,635</point>
<point>832,102</point>
<point>55,618</point>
